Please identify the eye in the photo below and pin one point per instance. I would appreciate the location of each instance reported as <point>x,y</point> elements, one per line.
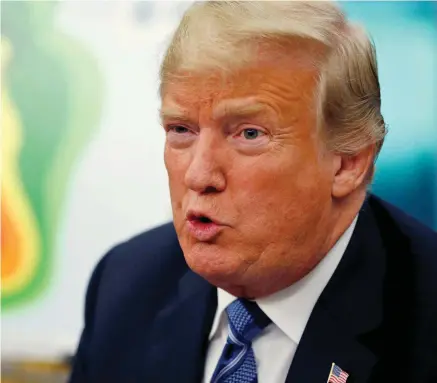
<point>179,136</point>
<point>251,133</point>
<point>178,129</point>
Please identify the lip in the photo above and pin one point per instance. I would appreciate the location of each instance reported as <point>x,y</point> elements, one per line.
<point>203,231</point>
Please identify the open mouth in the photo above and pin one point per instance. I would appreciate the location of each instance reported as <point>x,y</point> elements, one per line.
<point>199,218</point>
<point>202,227</point>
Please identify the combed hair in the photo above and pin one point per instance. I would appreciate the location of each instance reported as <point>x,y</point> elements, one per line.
<point>224,35</point>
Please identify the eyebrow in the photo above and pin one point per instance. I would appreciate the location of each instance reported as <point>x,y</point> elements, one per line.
<point>237,108</point>
<point>173,112</point>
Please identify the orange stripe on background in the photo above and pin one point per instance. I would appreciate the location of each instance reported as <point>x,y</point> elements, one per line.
<point>11,248</point>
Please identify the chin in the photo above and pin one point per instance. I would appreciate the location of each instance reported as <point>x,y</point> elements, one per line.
<point>213,264</point>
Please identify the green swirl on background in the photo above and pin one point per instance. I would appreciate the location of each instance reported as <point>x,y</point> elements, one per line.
<point>56,85</point>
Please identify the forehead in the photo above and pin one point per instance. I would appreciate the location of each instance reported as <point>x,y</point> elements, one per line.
<point>246,88</point>
<point>279,79</point>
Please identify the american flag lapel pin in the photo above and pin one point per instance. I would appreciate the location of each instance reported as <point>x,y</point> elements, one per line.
<point>337,375</point>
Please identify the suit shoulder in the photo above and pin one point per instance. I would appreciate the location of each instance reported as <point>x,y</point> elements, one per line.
<point>423,238</point>
<point>150,255</point>
<point>408,240</point>
<point>156,239</point>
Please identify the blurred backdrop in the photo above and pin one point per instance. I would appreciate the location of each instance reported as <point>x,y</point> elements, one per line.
<point>82,147</point>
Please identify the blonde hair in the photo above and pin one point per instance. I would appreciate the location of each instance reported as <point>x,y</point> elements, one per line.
<point>220,34</point>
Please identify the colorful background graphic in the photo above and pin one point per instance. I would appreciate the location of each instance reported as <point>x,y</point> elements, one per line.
<point>82,165</point>
<point>51,105</point>
<point>20,243</point>
<point>405,34</point>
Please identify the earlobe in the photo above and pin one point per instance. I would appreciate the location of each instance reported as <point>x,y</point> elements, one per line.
<point>342,182</point>
<point>351,172</point>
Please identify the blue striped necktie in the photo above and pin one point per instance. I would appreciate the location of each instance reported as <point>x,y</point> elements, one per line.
<point>237,363</point>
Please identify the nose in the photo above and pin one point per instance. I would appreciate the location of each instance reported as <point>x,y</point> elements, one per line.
<point>205,173</point>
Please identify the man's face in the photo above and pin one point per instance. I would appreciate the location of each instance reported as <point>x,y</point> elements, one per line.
<point>249,179</point>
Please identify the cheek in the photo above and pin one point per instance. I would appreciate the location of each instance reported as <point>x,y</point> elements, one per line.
<point>176,168</point>
<point>276,190</point>
<point>169,159</point>
<point>176,163</point>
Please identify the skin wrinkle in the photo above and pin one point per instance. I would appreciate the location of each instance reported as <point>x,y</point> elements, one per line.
<point>275,196</point>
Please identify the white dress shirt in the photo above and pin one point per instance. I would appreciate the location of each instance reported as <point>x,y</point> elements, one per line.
<point>289,311</point>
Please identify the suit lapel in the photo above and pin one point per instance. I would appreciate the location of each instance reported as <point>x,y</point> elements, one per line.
<point>180,333</point>
<point>325,343</point>
<point>345,325</point>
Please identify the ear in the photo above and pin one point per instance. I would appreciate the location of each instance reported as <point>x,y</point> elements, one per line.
<point>351,171</point>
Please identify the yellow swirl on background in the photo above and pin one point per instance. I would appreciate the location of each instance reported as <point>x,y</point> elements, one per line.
<point>20,242</point>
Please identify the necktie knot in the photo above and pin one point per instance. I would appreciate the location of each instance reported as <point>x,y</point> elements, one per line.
<point>246,321</point>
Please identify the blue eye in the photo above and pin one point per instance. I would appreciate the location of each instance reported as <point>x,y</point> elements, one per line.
<point>251,134</point>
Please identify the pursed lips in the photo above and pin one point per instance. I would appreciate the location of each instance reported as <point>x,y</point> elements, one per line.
<point>202,226</point>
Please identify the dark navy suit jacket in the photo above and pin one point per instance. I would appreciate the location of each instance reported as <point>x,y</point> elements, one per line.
<point>148,316</point>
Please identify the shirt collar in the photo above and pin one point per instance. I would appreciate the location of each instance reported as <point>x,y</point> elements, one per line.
<point>291,308</point>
